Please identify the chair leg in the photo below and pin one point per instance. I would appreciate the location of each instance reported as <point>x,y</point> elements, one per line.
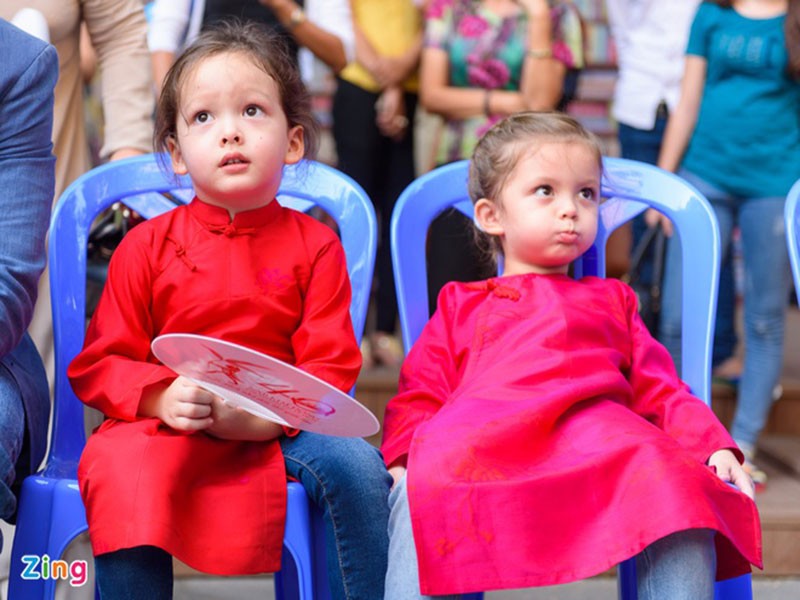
<point>626,580</point>
<point>322,588</point>
<point>738,588</point>
<point>297,541</point>
<point>286,580</point>
<point>50,516</point>
<point>30,539</point>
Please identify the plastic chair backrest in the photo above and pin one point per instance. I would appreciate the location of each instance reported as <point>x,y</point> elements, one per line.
<point>629,188</point>
<point>792,219</point>
<point>139,183</point>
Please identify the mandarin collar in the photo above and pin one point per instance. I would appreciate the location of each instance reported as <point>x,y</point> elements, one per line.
<point>217,219</point>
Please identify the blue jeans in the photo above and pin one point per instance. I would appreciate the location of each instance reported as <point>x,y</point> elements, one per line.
<point>681,566</point>
<point>644,145</point>
<point>766,297</point>
<point>402,575</point>
<point>12,433</point>
<point>347,479</point>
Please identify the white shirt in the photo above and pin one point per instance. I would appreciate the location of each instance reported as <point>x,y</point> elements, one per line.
<point>174,24</point>
<point>651,37</point>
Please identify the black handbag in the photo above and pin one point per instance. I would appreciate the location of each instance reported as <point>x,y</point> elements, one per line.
<point>646,282</point>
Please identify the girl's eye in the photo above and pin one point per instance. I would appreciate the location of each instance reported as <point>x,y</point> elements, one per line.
<point>202,117</point>
<point>588,194</point>
<point>543,190</point>
<point>252,111</point>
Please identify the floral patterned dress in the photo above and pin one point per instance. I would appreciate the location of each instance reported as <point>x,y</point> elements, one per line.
<point>488,51</point>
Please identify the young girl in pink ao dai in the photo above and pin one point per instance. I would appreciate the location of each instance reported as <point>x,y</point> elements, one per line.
<point>540,435</point>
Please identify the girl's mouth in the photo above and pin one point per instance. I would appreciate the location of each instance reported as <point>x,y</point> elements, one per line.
<point>233,159</point>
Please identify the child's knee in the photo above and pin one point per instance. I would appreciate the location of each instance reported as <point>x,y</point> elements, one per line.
<point>357,465</point>
<point>683,562</point>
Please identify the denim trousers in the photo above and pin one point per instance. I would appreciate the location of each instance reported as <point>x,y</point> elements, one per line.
<point>644,145</point>
<point>766,298</point>
<point>12,433</point>
<point>681,566</point>
<point>345,477</point>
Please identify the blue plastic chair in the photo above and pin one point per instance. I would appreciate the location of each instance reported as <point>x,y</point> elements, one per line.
<point>51,513</point>
<point>629,187</point>
<point>792,219</point>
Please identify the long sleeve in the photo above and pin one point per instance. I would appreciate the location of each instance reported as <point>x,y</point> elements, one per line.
<point>660,397</point>
<point>118,32</point>
<point>324,344</point>
<point>27,180</point>
<point>116,365</point>
<point>427,378</point>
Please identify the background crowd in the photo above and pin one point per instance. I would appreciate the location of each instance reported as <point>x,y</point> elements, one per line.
<point>413,84</point>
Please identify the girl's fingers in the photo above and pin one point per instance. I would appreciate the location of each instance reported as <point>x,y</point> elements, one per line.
<point>194,410</point>
<point>189,424</point>
<point>743,482</point>
<point>188,391</point>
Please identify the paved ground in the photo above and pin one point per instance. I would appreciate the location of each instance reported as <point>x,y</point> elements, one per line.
<point>600,588</point>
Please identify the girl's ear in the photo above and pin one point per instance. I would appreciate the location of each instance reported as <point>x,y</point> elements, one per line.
<point>296,147</point>
<point>176,157</point>
<point>486,216</point>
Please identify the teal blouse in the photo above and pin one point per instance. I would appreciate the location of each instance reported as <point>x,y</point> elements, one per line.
<point>747,137</point>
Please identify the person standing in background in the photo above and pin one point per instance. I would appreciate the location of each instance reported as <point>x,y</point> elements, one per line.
<point>314,28</point>
<point>117,30</point>
<point>374,106</point>
<point>27,180</point>
<point>735,135</point>
<point>651,37</point>
<point>481,61</point>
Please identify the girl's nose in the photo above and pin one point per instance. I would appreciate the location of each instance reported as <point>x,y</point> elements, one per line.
<point>567,209</point>
<point>231,138</point>
<point>231,134</point>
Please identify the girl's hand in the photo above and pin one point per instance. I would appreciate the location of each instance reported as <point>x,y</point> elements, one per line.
<point>729,469</point>
<point>183,405</point>
<point>233,423</point>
